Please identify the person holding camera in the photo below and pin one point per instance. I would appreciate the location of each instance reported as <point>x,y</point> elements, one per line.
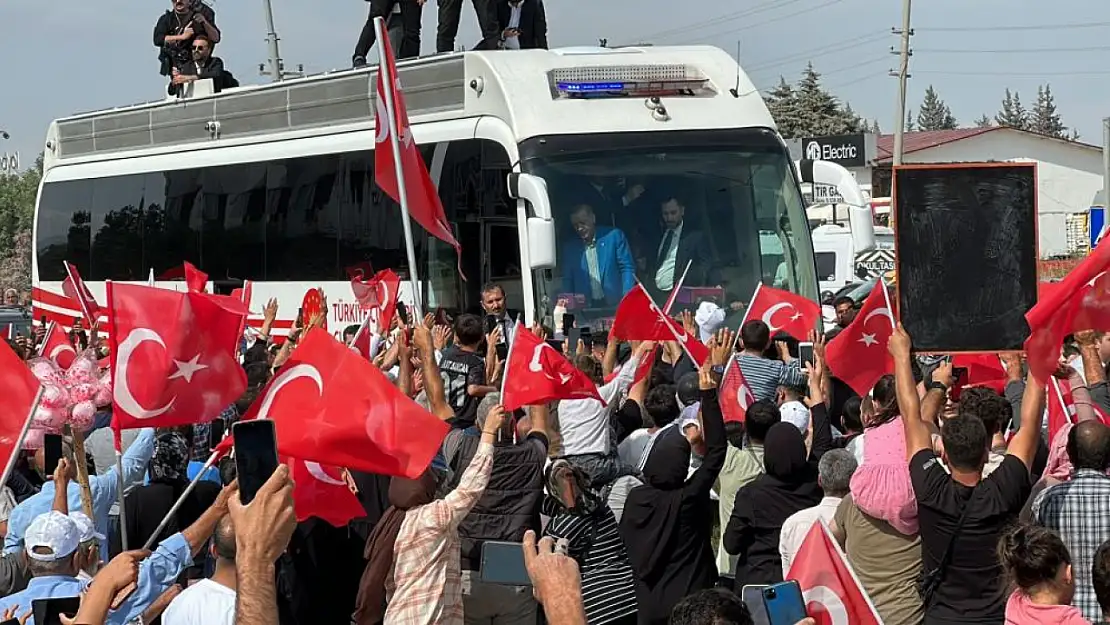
<point>177,28</point>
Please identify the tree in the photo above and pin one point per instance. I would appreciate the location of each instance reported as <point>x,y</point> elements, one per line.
<point>984,122</point>
<point>783,104</point>
<point>934,114</point>
<point>1044,117</point>
<point>1013,114</point>
<point>909,120</point>
<point>808,110</point>
<point>17,213</point>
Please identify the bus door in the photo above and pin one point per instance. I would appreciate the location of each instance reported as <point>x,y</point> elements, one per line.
<point>501,258</point>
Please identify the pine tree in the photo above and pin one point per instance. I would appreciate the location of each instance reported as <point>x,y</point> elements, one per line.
<point>819,111</point>
<point>909,120</point>
<point>1013,114</point>
<point>1044,117</point>
<point>782,101</point>
<point>984,122</point>
<point>934,114</point>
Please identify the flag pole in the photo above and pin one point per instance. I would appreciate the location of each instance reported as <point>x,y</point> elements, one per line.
<point>747,311</point>
<point>670,326</point>
<point>122,506</point>
<point>1060,398</point>
<point>22,435</point>
<point>49,329</point>
<point>389,81</point>
<point>509,340</point>
<point>180,500</point>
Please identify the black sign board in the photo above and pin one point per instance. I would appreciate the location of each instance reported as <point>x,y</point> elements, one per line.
<point>966,242</point>
<point>845,150</point>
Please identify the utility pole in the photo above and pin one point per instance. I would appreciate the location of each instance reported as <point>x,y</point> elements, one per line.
<point>1106,167</point>
<point>274,67</point>
<point>903,74</point>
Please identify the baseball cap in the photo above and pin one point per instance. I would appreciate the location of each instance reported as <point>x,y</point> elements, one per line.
<point>53,531</point>
<point>796,414</point>
<point>86,530</point>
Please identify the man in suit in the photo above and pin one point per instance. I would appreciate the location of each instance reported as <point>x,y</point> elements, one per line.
<point>493,305</point>
<point>523,24</point>
<point>678,245</point>
<point>599,264</point>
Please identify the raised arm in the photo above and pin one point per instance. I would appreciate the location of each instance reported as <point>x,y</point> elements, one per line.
<point>917,433</point>
<point>433,382</point>
<point>453,508</point>
<point>1023,445</point>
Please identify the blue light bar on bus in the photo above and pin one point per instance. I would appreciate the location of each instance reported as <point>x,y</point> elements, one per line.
<point>628,81</point>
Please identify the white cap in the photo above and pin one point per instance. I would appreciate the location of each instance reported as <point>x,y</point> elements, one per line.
<point>54,531</point>
<point>86,530</point>
<point>709,317</point>
<point>795,413</point>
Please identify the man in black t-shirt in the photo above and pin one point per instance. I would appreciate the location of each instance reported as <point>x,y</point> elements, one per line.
<point>175,30</point>
<point>464,371</point>
<point>970,586</point>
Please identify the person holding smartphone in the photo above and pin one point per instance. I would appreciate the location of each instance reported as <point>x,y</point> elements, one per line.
<point>523,24</point>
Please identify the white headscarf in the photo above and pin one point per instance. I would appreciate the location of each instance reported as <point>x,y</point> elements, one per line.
<point>709,317</point>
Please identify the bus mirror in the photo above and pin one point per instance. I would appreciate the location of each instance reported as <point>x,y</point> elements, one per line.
<point>859,209</point>
<point>533,189</point>
<point>541,243</point>
<point>862,223</point>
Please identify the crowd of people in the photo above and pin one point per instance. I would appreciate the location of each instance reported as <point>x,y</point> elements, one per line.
<point>950,503</point>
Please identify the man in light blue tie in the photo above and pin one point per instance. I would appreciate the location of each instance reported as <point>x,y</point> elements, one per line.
<point>599,263</point>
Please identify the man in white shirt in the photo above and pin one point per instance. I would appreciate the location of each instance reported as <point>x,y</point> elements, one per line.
<point>523,24</point>
<point>210,601</point>
<point>679,244</point>
<point>834,473</point>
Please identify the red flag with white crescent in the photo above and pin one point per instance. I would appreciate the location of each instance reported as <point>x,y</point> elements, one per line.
<point>74,288</point>
<point>56,346</point>
<point>735,396</point>
<point>783,310</point>
<point>535,374</point>
<point>321,492</point>
<point>830,589</point>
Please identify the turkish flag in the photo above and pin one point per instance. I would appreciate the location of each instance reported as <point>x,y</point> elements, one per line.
<point>56,346</point>
<point>735,396</point>
<point>322,493</point>
<point>19,388</point>
<point>1060,406</point>
<point>535,374</point>
<point>858,355</point>
<point>831,591</point>
<point>173,356</point>
<point>339,409</point>
<point>74,288</point>
<point>361,271</point>
<point>244,295</point>
<point>1081,301</point>
<point>195,279</point>
<point>379,296</point>
<point>981,368</point>
<point>423,203</point>
<point>783,310</point>
<point>639,319</point>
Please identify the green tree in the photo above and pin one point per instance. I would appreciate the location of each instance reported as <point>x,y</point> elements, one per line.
<point>984,122</point>
<point>1012,114</point>
<point>1044,118</point>
<point>782,101</point>
<point>17,213</point>
<point>934,114</point>
<point>820,113</point>
<point>909,121</point>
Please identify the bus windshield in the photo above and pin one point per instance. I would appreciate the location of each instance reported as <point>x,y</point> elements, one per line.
<point>642,207</point>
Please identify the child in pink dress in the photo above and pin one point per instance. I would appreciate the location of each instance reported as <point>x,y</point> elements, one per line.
<point>881,486</point>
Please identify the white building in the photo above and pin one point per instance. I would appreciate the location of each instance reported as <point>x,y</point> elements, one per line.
<point>1069,173</point>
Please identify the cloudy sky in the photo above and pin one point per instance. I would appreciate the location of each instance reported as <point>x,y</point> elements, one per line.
<point>67,56</point>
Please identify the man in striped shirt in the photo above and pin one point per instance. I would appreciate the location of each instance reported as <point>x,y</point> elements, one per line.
<point>764,376</point>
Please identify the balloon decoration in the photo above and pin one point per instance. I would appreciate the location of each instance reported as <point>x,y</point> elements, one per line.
<point>69,397</point>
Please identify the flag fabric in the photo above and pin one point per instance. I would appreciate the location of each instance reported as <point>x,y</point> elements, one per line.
<point>858,355</point>
<point>735,396</point>
<point>19,388</point>
<point>195,279</point>
<point>244,295</point>
<point>981,368</point>
<point>423,202</point>
<point>639,319</point>
<point>1060,406</point>
<point>830,589</point>
<point>783,311</point>
<point>341,410</point>
<point>56,346</point>
<point>360,271</point>
<point>173,356</point>
<point>322,493</point>
<point>535,374</point>
<point>1081,301</point>
<point>378,295</point>
<point>75,289</point>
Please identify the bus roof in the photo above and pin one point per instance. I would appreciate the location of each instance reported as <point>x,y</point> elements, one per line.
<point>527,90</point>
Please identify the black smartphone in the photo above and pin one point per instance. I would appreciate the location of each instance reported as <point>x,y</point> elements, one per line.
<point>300,318</point>
<point>490,324</point>
<point>568,323</point>
<point>216,433</point>
<point>752,596</point>
<point>784,603</point>
<point>805,352</point>
<point>959,376</point>
<point>52,451</point>
<point>403,312</point>
<point>587,338</point>
<point>49,611</point>
<point>256,456</point>
<point>503,564</point>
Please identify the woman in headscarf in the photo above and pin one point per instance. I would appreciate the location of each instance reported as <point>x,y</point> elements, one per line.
<point>788,486</point>
<point>665,524</point>
<point>580,516</point>
<point>412,572</point>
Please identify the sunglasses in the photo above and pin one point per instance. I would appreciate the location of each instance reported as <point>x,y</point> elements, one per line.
<point>199,48</point>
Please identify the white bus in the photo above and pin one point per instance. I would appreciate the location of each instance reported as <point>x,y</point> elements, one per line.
<point>275,183</point>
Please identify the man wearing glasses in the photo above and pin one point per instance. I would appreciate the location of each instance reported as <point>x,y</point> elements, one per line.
<point>203,65</point>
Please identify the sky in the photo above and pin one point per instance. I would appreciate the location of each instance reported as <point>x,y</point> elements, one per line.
<point>69,56</point>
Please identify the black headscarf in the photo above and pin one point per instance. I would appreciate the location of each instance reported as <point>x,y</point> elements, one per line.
<point>789,470</point>
<point>651,512</point>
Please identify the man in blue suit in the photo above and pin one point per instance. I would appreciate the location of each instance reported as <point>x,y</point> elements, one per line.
<point>599,265</point>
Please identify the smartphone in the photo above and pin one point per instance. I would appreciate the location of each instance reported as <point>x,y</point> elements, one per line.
<point>491,324</point>
<point>784,603</point>
<point>587,338</point>
<point>959,376</point>
<point>52,450</point>
<point>49,611</point>
<point>402,312</point>
<point>753,598</point>
<point>256,456</point>
<point>300,318</point>
<point>216,433</point>
<point>503,564</point>
<point>805,352</point>
<point>568,323</point>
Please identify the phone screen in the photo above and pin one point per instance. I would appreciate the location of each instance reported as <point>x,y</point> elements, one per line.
<point>753,599</point>
<point>216,433</point>
<point>49,611</point>
<point>255,455</point>
<point>402,313</point>
<point>52,452</point>
<point>805,352</point>
<point>503,563</point>
<point>568,323</point>
<point>784,603</point>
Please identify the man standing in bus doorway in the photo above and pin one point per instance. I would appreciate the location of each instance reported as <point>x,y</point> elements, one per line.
<point>678,245</point>
<point>449,13</point>
<point>493,303</point>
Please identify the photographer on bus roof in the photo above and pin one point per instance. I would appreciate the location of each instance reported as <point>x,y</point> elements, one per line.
<point>176,29</point>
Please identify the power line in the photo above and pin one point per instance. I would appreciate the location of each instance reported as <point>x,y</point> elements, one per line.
<point>1014,50</point>
<point>729,31</point>
<point>829,49</point>
<point>1102,72</point>
<point>964,29</point>
<point>727,17</point>
<point>838,70</point>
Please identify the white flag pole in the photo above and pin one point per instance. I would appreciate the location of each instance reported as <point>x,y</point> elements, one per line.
<point>748,311</point>
<point>389,82</point>
<point>681,340</point>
